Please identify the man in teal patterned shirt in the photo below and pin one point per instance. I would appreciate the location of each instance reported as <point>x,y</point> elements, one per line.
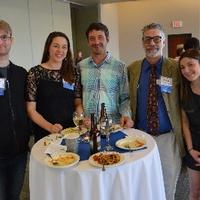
<point>102,79</point>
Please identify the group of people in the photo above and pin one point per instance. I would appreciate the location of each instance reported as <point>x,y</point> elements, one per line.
<point>154,94</point>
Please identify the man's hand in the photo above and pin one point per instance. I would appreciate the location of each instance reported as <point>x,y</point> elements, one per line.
<point>126,122</point>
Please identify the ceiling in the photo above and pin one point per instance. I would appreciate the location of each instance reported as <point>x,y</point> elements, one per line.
<point>93,2</point>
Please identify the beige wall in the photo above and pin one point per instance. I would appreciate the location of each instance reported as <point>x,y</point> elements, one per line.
<point>32,21</point>
<point>133,15</point>
<point>109,16</point>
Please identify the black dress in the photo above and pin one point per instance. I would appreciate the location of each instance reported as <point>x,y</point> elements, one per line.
<point>192,110</point>
<point>54,102</point>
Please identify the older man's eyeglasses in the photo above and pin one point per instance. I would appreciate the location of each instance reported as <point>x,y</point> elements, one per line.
<point>156,39</point>
<point>4,37</point>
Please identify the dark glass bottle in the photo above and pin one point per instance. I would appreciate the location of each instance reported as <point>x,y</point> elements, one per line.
<point>103,120</point>
<point>95,140</point>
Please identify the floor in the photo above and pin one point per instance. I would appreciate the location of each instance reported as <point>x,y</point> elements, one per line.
<point>182,189</point>
<point>25,190</point>
<point>181,192</point>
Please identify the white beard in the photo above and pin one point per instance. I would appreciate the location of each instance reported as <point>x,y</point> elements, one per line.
<point>153,53</point>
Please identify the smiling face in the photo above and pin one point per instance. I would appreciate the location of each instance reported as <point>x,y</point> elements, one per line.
<point>58,49</point>
<point>153,43</point>
<point>190,68</point>
<point>5,43</point>
<point>97,42</point>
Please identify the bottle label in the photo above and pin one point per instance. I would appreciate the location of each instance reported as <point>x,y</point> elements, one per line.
<point>102,128</point>
<point>99,142</point>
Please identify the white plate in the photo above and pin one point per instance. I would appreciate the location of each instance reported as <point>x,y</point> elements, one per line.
<point>131,143</point>
<point>96,164</point>
<point>73,130</point>
<point>48,160</point>
<point>115,127</point>
<point>55,138</point>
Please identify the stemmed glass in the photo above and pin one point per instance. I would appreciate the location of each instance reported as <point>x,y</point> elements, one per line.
<point>78,119</point>
<point>108,147</point>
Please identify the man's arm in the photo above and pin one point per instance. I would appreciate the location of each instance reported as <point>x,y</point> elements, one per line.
<point>124,101</point>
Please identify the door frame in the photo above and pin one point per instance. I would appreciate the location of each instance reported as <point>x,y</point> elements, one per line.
<point>175,41</point>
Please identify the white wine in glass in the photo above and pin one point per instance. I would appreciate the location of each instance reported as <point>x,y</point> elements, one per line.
<point>78,119</point>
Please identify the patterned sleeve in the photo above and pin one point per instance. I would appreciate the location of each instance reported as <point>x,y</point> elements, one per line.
<point>78,86</point>
<point>31,85</point>
<point>124,99</point>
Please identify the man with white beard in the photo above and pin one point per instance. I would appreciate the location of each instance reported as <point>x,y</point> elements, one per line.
<point>166,128</point>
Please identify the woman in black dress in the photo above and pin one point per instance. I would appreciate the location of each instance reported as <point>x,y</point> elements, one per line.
<point>50,88</point>
<point>190,71</point>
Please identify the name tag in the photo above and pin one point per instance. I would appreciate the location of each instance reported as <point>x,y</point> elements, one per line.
<point>67,85</point>
<point>166,84</point>
<point>2,86</point>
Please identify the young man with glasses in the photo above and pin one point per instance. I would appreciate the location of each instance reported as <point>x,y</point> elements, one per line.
<point>14,133</point>
<point>156,108</point>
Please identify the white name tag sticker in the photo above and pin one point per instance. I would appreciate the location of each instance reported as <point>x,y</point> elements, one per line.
<point>2,83</point>
<point>166,84</point>
<point>2,86</point>
<point>67,85</point>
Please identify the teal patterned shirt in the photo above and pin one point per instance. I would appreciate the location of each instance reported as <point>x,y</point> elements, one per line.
<point>103,83</point>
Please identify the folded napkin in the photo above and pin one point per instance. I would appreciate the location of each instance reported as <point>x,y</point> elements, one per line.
<point>84,148</point>
<point>55,149</point>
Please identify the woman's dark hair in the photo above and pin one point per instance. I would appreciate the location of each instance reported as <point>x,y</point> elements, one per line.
<point>67,68</point>
<point>185,84</point>
<point>98,27</point>
<point>192,43</point>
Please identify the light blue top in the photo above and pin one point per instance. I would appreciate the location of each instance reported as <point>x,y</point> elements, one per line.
<point>105,83</point>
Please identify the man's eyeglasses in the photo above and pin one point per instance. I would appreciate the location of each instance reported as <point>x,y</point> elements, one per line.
<point>156,39</point>
<point>5,37</point>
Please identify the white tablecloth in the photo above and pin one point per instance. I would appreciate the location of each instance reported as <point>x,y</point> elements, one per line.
<point>139,178</point>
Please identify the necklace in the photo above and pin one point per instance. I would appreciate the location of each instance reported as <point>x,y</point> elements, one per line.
<point>51,66</point>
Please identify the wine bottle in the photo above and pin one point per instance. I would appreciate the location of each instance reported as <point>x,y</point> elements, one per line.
<point>103,120</point>
<point>95,140</point>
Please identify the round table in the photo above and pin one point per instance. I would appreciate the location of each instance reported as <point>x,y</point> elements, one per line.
<point>139,178</point>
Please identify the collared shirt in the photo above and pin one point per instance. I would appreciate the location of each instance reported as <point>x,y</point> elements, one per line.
<point>103,83</point>
<point>141,118</point>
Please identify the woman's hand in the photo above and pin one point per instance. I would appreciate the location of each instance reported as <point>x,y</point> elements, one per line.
<point>196,155</point>
<point>56,128</point>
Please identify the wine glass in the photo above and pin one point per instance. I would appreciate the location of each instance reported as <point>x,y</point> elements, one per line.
<point>108,147</point>
<point>78,119</point>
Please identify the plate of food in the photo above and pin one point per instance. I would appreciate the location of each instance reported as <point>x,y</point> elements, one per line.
<point>108,159</point>
<point>52,139</point>
<point>115,128</point>
<point>131,143</point>
<point>62,160</point>
<point>73,130</point>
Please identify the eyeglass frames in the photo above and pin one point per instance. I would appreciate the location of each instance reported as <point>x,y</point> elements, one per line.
<point>5,37</point>
<point>156,39</point>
